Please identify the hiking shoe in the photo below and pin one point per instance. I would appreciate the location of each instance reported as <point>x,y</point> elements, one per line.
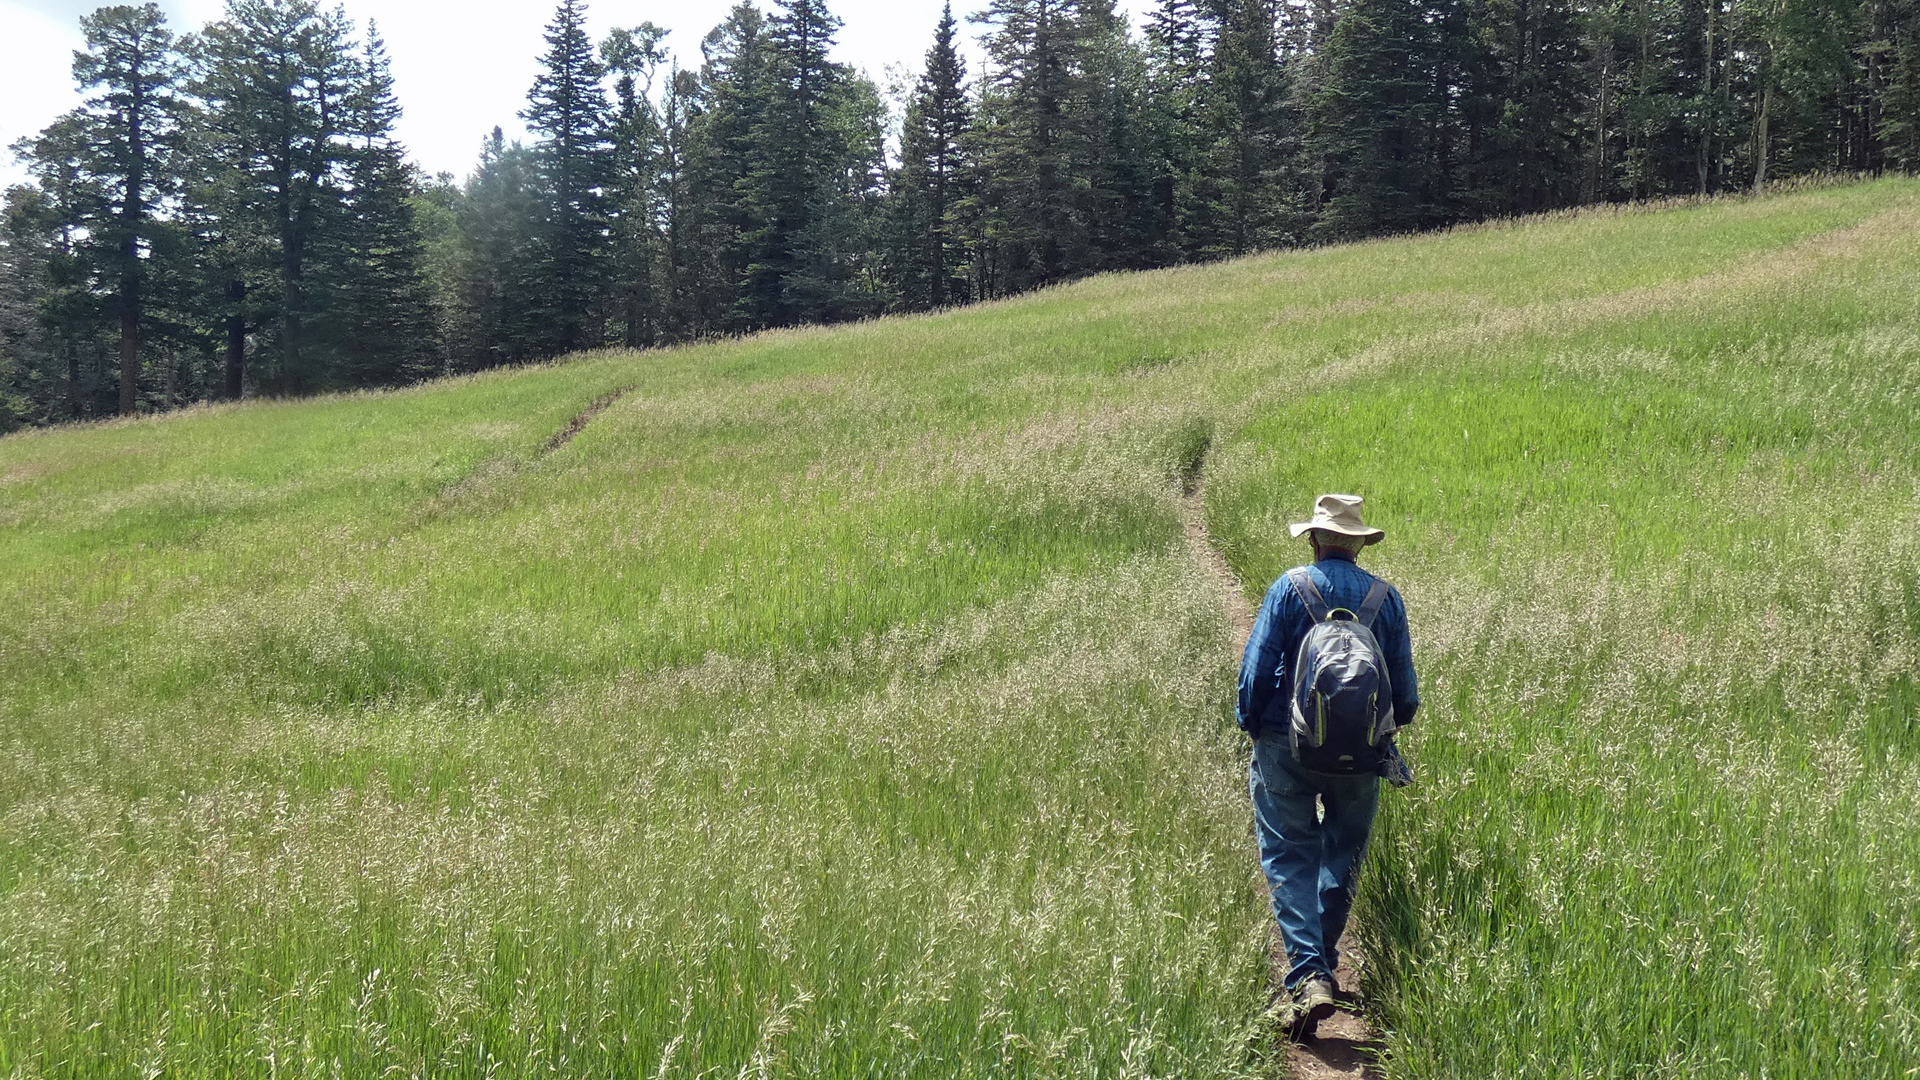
<point>1313,1001</point>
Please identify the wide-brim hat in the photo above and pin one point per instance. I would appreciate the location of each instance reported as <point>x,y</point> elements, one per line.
<point>1339,514</point>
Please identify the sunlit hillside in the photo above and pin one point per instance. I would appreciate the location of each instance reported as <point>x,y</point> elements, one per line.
<point>849,702</point>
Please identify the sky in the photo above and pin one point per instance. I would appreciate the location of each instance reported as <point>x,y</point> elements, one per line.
<point>460,66</point>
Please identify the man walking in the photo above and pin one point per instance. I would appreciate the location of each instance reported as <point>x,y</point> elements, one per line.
<point>1315,786</point>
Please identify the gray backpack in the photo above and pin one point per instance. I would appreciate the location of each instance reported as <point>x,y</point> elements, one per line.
<point>1342,694</point>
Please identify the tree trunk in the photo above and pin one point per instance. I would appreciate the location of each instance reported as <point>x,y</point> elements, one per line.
<point>1643,165</point>
<point>75,401</point>
<point>236,340</point>
<point>1597,161</point>
<point>1760,141</point>
<point>1707,109</point>
<point>937,219</point>
<point>129,347</point>
<point>132,220</point>
<point>293,300</point>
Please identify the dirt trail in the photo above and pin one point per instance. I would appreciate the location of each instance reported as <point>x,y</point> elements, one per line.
<point>1344,1043</point>
<point>581,419</point>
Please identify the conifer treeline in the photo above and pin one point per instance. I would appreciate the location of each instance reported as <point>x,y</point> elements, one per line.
<point>229,212</point>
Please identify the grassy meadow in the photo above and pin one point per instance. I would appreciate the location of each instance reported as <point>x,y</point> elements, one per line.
<point>847,703</point>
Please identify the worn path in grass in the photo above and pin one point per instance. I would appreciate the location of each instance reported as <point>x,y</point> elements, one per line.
<point>851,702</point>
<point>1344,1043</point>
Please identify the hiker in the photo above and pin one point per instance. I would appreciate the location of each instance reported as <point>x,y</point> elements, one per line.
<point>1325,740</point>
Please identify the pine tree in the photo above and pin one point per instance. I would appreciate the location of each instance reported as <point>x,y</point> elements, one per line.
<point>50,229</point>
<point>1898,127</point>
<point>491,260</point>
<point>693,237</point>
<point>231,253</point>
<point>1379,121</point>
<point>1126,227</point>
<point>385,315</point>
<point>276,79</point>
<point>132,68</point>
<point>1249,128</point>
<point>1599,161</point>
<point>717,221</point>
<point>633,57</point>
<point>1647,38</point>
<point>1024,159</point>
<point>814,155</point>
<point>843,275</point>
<point>1179,44</point>
<point>34,385</point>
<point>567,111</point>
<point>1800,86</point>
<point>929,182</point>
<point>1710,105</point>
<point>1522,99</point>
<point>1064,161</point>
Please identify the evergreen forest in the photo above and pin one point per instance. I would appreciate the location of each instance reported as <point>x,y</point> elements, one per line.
<point>230,214</point>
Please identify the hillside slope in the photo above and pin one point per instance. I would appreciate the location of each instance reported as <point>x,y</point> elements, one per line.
<point>843,702</point>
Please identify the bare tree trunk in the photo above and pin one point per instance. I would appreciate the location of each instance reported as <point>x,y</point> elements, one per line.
<point>236,340</point>
<point>292,378</point>
<point>129,354</point>
<point>1707,109</point>
<point>937,218</point>
<point>73,376</point>
<point>1597,162</point>
<point>132,218</point>
<point>1760,140</point>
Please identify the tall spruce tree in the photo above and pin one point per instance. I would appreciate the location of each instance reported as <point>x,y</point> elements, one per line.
<point>276,78</point>
<point>1025,161</point>
<point>932,175</point>
<point>1711,107</point>
<point>1649,38</point>
<point>567,112</point>
<point>812,169</point>
<point>49,224</point>
<point>231,253</point>
<point>39,381</point>
<point>633,57</point>
<point>490,262</point>
<point>1064,147</point>
<point>1521,100</point>
<point>385,310</point>
<point>1897,126</point>
<point>1127,226</point>
<point>1800,71</point>
<point>131,69</point>
<point>694,231</point>
<point>726,113</point>
<point>1180,37</point>
<point>21,398</point>
<point>1379,119</point>
<point>1249,129</point>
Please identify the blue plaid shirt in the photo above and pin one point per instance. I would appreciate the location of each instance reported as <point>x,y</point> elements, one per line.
<point>1265,683</point>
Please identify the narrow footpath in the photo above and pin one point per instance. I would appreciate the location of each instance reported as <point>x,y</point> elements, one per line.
<point>584,417</point>
<point>1342,1047</point>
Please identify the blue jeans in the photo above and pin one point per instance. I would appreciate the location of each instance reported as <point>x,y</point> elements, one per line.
<point>1311,860</point>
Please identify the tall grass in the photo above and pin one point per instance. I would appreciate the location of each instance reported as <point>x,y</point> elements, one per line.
<point>843,703</point>
<point>1665,568</point>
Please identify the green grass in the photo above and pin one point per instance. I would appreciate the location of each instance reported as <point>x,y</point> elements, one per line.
<point>846,703</point>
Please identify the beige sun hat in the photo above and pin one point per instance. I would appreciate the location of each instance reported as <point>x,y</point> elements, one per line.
<point>1339,514</point>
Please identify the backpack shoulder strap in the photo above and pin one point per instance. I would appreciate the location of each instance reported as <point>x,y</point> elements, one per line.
<point>1376,599</point>
<point>1309,593</point>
